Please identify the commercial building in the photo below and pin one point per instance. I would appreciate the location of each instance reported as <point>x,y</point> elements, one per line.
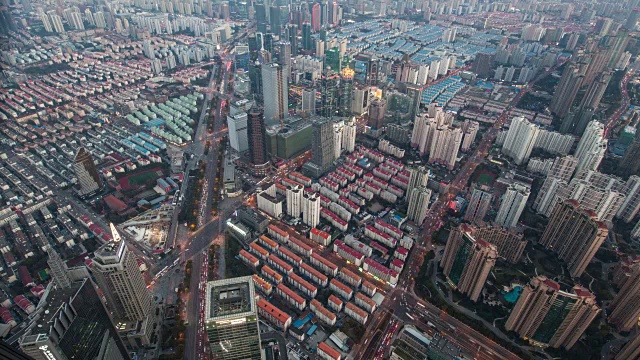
<point>377,110</point>
<point>238,137</point>
<point>478,205</point>
<point>513,203</point>
<point>116,271</point>
<point>412,344</point>
<point>548,316</point>
<point>322,148</point>
<point>520,140</point>
<point>257,141</point>
<point>467,261</point>
<point>275,93</point>
<point>624,310</point>
<point>575,234</point>
<point>71,322</point>
<point>87,175</point>
<point>231,318</point>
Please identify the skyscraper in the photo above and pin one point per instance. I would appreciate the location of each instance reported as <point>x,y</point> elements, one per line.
<point>548,316</point>
<point>624,310</point>
<point>307,41</point>
<point>284,56</point>
<point>509,243</point>
<point>231,319</point>
<point>71,322</point>
<point>631,349</point>
<point>513,203</point>
<point>631,205</point>
<point>467,261</point>
<point>632,19</point>
<point>329,94</point>
<point>567,89</point>
<point>322,147</point>
<point>478,205</point>
<point>418,204</point>
<point>482,65</point>
<point>520,140</point>
<point>308,102</point>
<point>346,92</point>
<point>315,17</point>
<point>89,180</point>
<point>418,177</point>
<point>275,90</point>
<point>591,147</point>
<point>294,200</point>
<point>311,209</point>
<point>6,19</point>
<point>445,146</point>
<point>118,275</point>
<point>377,110</point>
<point>349,135</point>
<point>574,234</point>
<point>238,137</point>
<point>257,141</point>
<point>415,94</point>
<point>59,271</point>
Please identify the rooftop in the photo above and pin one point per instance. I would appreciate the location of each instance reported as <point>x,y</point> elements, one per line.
<point>230,298</point>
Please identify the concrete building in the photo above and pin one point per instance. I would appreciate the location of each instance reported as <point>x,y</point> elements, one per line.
<point>520,140</point>
<point>418,177</point>
<point>322,152</point>
<point>231,319</point>
<point>238,137</point>
<point>274,315</point>
<point>269,201</point>
<point>257,141</point>
<point>311,209</point>
<point>591,148</point>
<point>294,200</point>
<point>445,146</point>
<point>574,234</point>
<point>470,129</point>
<point>478,205</point>
<point>71,322</point>
<point>513,203</point>
<point>624,310</point>
<point>87,175</point>
<point>631,349</point>
<point>509,243</point>
<point>548,316</point>
<point>349,135</point>
<point>418,204</point>
<point>118,275</point>
<point>565,94</point>
<point>377,110</point>
<point>308,102</point>
<point>467,261</point>
<point>275,93</point>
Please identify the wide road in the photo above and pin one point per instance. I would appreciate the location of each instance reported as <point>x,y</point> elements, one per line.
<point>467,338</point>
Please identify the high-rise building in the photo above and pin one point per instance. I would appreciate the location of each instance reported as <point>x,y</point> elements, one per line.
<point>118,275</point>
<point>315,17</point>
<point>445,146</point>
<point>594,93</point>
<point>418,204</point>
<point>257,141</point>
<point>567,89</point>
<point>591,148</point>
<point>284,57</point>
<point>631,205</point>
<point>349,135</point>
<point>574,234</point>
<point>482,65</point>
<point>322,152</point>
<point>46,24</point>
<point>294,201</point>
<point>275,90</point>
<point>513,203</point>
<point>231,319</point>
<point>311,209</point>
<point>470,130</point>
<point>478,205</point>
<point>632,19</point>
<point>71,322</point>
<point>329,94</point>
<point>418,177</point>
<point>59,270</point>
<point>563,167</point>
<point>624,310</point>
<point>631,349</point>
<point>308,102</point>
<point>307,40</point>
<point>509,243</point>
<point>520,140</point>
<point>89,180</point>
<point>467,261</point>
<point>618,44</point>
<point>414,92</point>
<point>377,110</point>
<point>548,316</point>
<point>238,137</point>
<point>346,92</point>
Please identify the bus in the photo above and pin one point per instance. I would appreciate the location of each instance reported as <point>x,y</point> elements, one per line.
<point>176,196</point>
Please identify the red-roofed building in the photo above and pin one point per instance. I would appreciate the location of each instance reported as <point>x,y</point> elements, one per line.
<point>341,289</point>
<point>274,315</point>
<point>334,303</point>
<point>291,297</point>
<point>355,312</point>
<point>326,352</point>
